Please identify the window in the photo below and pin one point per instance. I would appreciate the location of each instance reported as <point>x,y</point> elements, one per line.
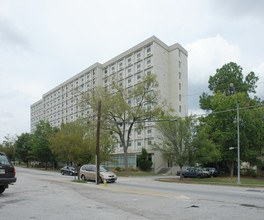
<point>148,49</point>
<point>170,163</point>
<point>121,73</point>
<point>139,132</point>
<point>179,75</point>
<point>129,60</point>
<point>113,68</point>
<point>121,64</point>
<point>148,71</point>
<point>138,65</point>
<point>180,97</point>
<point>139,142</point>
<point>179,108</point>
<point>149,106</point>
<point>105,71</point>
<point>149,141</point>
<point>138,76</point>
<point>129,70</point>
<point>138,55</point>
<point>179,86</point>
<point>179,64</point>
<point>121,83</point>
<point>129,80</point>
<point>148,61</point>
<point>149,130</point>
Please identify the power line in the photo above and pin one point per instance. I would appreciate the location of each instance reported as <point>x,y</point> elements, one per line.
<point>229,110</point>
<point>175,119</point>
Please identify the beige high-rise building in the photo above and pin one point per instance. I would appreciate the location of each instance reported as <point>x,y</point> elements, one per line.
<point>169,63</point>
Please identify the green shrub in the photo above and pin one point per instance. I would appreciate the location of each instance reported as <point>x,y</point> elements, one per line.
<point>118,169</point>
<point>248,172</point>
<point>143,162</point>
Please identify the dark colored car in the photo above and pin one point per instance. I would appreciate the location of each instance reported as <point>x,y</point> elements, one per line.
<point>192,172</point>
<point>7,172</point>
<point>68,170</point>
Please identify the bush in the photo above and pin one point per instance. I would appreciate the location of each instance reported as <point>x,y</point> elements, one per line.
<point>143,162</point>
<point>119,169</point>
<point>248,172</point>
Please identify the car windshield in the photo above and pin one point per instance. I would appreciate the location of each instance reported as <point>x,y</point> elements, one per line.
<point>4,160</point>
<point>103,169</point>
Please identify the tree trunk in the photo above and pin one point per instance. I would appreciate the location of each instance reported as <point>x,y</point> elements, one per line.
<point>125,158</point>
<point>232,170</point>
<point>181,173</point>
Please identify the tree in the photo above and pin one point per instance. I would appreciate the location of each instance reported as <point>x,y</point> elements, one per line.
<point>206,151</point>
<point>8,147</point>
<point>23,147</point>
<point>143,160</point>
<point>40,143</point>
<point>76,141</point>
<point>176,140</point>
<point>232,73</point>
<point>220,82</point>
<point>222,127</point>
<point>122,108</point>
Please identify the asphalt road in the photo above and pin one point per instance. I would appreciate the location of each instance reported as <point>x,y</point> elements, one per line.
<point>48,195</point>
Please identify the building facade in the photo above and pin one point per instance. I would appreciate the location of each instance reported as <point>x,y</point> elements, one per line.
<point>169,63</point>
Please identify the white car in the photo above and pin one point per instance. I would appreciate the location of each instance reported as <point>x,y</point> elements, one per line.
<point>88,172</point>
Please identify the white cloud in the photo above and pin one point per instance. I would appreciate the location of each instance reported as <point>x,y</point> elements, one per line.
<point>206,55</point>
<point>44,43</point>
<point>259,71</point>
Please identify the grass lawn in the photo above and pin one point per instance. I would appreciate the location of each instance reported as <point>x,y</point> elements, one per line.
<point>245,181</point>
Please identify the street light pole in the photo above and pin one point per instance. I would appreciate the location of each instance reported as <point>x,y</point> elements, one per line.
<point>98,145</point>
<point>238,147</point>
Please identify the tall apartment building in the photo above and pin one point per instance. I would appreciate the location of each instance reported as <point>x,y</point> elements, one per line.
<point>169,63</point>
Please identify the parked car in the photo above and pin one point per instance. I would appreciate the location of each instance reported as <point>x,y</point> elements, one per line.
<point>68,170</point>
<point>212,170</point>
<point>192,172</point>
<point>7,172</point>
<point>88,172</point>
<point>207,173</point>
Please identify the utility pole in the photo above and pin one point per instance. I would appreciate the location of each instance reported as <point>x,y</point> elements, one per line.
<point>98,144</point>
<point>238,141</point>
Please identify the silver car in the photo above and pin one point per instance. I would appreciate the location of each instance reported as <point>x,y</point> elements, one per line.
<point>88,172</point>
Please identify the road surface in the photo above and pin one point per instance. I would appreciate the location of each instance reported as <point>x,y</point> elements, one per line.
<point>48,195</point>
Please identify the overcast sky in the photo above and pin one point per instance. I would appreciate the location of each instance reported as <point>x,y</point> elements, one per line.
<point>45,42</point>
